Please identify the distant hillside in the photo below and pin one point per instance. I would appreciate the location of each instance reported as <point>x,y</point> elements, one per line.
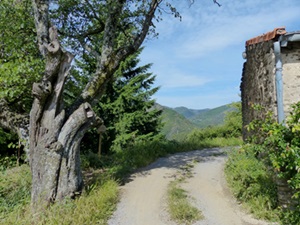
<point>189,113</point>
<point>211,117</point>
<point>175,124</point>
<point>181,120</point>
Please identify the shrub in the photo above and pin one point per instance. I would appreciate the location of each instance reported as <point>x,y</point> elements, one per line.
<point>251,183</point>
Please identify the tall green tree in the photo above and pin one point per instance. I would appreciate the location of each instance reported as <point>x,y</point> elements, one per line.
<point>127,108</point>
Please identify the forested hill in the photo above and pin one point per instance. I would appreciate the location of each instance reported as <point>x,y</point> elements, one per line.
<point>180,121</point>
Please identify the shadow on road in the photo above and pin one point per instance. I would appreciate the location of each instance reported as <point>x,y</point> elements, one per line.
<point>179,159</point>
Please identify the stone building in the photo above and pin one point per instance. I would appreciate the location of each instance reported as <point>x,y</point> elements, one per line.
<point>271,79</point>
<point>271,75</point>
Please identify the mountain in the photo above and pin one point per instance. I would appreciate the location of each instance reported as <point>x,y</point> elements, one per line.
<point>211,117</point>
<point>189,113</point>
<point>175,124</point>
<point>180,121</point>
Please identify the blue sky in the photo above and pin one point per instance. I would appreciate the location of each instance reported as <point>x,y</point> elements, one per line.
<point>198,61</point>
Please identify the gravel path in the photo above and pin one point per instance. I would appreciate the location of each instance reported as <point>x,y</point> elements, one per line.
<point>143,198</point>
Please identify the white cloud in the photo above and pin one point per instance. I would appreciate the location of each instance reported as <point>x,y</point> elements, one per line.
<point>181,80</point>
<point>206,28</point>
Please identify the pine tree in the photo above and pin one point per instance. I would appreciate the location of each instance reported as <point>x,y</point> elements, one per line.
<point>127,108</point>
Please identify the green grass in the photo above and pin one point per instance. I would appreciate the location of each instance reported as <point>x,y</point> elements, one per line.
<point>180,208</point>
<point>95,206</point>
<point>252,184</point>
<point>15,185</point>
<point>179,203</point>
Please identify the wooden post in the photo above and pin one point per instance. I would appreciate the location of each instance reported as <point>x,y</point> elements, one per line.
<point>101,130</point>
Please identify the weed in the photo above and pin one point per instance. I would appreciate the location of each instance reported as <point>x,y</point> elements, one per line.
<point>252,184</point>
<point>179,206</point>
<point>91,208</point>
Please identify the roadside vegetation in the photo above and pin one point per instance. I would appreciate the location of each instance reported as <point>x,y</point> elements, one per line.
<point>251,183</point>
<point>271,154</point>
<point>133,136</point>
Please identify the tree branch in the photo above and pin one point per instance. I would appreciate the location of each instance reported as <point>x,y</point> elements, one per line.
<point>15,122</point>
<point>138,40</point>
<point>89,49</point>
<point>216,2</point>
<point>41,9</point>
<point>106,64</point>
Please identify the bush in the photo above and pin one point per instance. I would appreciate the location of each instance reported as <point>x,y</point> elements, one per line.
<point>251,183</point>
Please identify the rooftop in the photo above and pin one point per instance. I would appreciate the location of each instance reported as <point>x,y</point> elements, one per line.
<point>267,36</point>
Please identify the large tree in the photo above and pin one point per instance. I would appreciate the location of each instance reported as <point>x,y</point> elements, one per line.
<point>56,132</point>
<point>110,31</point>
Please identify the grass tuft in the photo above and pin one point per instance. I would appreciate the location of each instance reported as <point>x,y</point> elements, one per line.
<point>180,208</point>
<point>179,203</point>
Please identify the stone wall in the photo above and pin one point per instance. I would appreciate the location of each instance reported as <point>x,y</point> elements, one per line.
<point>291,75</point>
<point>258,82</point>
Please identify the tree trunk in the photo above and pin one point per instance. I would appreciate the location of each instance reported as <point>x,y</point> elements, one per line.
<point>55,158</point>
<point>54,136</point>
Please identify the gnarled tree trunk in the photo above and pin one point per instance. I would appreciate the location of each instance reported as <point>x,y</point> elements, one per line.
<point>55,136</point>
<point>55,133</point>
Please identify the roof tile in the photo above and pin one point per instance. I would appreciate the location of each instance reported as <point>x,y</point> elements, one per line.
<point>267,36</point>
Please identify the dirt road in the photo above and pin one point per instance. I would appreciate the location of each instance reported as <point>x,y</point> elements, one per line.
<point>143,198</point>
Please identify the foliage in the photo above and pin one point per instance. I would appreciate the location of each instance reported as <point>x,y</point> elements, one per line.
<point>6,138</point>
<point>98,202</point>
<point>210,133</point>
<point>126,108</point>
<point>20,62</point>
<point>228,134</point>
<point>233,120</point>
<point>281,143</point>
<point>90,159</point>
<point>251,182</point>
<point>93,207</point>
<point>279,147</point>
